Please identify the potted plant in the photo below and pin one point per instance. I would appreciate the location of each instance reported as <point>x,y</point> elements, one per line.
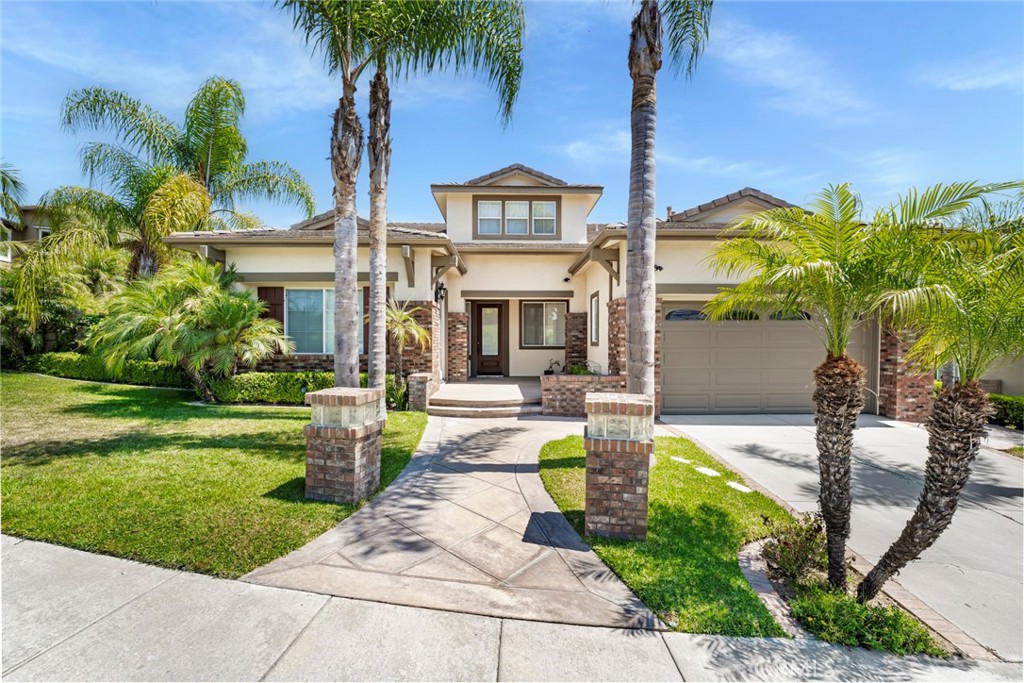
<point>553,367</point>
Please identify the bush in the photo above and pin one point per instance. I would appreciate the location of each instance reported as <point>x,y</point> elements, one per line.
<point>289,388</point>
<point>80,366</point>
<point>795,547</point>
<point>837,617</point>
<point>1009,410</point>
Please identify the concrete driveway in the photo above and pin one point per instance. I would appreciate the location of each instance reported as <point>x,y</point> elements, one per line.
<point>972,576</point>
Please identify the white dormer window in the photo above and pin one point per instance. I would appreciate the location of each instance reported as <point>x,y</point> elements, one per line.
<point>517,218</point>
<point>489,218</point>
<point>543,218</point>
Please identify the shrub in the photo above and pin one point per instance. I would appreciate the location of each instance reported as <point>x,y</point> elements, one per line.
<point>795,547</point>
<point>289,388</point>
<point>1009,410</point>
<point>79,366</point>
<point>837,617</point>
<point>580,369</point>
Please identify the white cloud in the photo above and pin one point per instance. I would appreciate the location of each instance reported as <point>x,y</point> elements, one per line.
<point>800,80</point>
<point>608,147</point>
<point>974,73</point>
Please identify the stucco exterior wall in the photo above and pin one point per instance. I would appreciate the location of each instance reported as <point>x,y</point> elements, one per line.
<point>598,281</point>
<point>1012,375</point>
<point>575,209</point>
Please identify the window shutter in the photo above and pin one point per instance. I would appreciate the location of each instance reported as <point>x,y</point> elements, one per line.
<point>274,298</point>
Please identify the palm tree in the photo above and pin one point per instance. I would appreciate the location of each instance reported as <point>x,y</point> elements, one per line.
<point>404,329</point>
<point>481,34</point>
<point>187,315</point>
<point>967,312</point>
<point>829,261</point>
<point>209,146</point>
<point>12,196</point>
<point>687,22</point>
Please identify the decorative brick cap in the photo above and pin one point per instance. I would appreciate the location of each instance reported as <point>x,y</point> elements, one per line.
<point>619,404</point>
<point>344,396</point>
<point>421,376</point>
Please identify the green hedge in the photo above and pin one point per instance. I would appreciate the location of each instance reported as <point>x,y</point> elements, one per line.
<point>287,387</point>
<point>1009,410</point>
<point>79,366</point>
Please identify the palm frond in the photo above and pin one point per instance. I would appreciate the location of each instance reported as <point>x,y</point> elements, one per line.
<point>271,180</point>
<point>687,24</point>
<point>142,128</point>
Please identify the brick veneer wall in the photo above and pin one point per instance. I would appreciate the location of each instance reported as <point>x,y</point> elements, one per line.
<point>458,347</point>
<point>300,362</point>
<point>617,344</point>
<point>902,393</point>
<point>565,395</point>
<point>416,359</point>
<point>575,339</point>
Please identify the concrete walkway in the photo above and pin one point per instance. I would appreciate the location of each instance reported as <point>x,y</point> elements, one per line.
<point>973,576</point>
<point>468,527</point>
<point>70,615</point>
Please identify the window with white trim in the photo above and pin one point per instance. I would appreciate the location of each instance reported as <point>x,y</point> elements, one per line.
<point>309,319</point>
<point>543,218</point>
<point>517,218</point>
<point>489,218</point>
<point>542,324</point>
<point>43,232</point>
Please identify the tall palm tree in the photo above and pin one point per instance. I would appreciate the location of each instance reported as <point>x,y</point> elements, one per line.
<point>12,196</point>
<point>967,312</point>
<point>478,34</point>
<point>687,22</point>
<point>830,261</point>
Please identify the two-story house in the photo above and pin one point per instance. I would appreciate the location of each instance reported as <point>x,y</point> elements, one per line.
<point>515,280</point>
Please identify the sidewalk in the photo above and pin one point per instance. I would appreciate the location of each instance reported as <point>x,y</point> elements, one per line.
<point>74,615</point>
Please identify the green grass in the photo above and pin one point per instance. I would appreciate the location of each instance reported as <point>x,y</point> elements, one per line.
<point>139,473</point>
<point>1016,450</point>
<point>687,569</point>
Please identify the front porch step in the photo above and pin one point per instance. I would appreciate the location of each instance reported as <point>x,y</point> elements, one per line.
<point>489,410</point>
<point>488,403</point>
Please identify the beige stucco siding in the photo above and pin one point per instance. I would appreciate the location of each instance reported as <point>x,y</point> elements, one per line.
<point>597,280</point>
<point>575,209</point>
<point>1012,375</point>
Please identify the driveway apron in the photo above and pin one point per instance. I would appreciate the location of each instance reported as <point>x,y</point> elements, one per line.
<point>467,527</point>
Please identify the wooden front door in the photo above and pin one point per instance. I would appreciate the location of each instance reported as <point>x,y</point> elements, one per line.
<point>490,338</point>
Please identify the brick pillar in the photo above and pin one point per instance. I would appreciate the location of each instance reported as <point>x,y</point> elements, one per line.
<point>575,339</point>
<point>617,344</point>
<point>419,390</point>
<point>458,347</point>
<point>616,336</point>
<point>415,358</point>
<point>902,393</point>
<point>619,441</point>
<point>343,444</point>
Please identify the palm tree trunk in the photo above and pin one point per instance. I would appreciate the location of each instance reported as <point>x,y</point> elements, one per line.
<point>644,62</point>
<point>956,427</point>
<point>199,383</point>
<point>379,155</point>
<point>838,400</point>
<point>346,154</point>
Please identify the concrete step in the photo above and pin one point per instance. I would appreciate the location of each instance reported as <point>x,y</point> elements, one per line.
<point>485,412</point>
<point>477,403</point>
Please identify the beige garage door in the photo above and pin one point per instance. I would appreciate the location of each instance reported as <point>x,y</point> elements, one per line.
<point>756,366</point>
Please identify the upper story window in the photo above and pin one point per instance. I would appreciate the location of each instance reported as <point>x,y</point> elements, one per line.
<point>517,217</point>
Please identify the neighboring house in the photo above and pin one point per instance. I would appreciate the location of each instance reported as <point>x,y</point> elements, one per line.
<point>33,227</point>
<point>515,279</point>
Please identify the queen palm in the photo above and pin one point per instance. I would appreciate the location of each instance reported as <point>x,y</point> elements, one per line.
<point>687,22</point>
<point>12,196</point>
<point>831,262</point>
<point>967,313</point>
<point>484,35</point>
<point>353,36</point>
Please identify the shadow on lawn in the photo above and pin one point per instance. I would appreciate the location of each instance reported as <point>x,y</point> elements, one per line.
<point>268,444</point>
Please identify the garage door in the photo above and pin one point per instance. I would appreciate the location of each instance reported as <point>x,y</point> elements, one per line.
<point>749,366</point>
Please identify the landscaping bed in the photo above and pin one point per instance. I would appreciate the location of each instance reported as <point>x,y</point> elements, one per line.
<point>140,473</point>
<point>687,569</point>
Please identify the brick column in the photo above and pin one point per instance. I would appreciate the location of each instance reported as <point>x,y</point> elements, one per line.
<point>902,393</point>
<point>575,339</point>
<point>458,347</point>
<point>419,390</point>
<point>617,344</point>
<point>414,358</point>
<point>619,441</point>
<point>343,444</point>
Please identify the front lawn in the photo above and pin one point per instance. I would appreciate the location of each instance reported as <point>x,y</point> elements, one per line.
<point>139,473</point>
<point>686,570</point>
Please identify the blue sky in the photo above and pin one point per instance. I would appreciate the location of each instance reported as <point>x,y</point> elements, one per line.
<point>788,98</point>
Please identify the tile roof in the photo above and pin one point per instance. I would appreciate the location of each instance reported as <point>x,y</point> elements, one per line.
<point>276,235</point>
<point>510,169</point>
<point>680,216</point>
<point>524,245</point>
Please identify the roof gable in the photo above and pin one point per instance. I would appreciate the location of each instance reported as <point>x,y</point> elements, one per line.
<point>516,174</point>
<point>725,208</point>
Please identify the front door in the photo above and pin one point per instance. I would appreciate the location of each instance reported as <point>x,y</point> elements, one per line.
<point>489,338</point>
